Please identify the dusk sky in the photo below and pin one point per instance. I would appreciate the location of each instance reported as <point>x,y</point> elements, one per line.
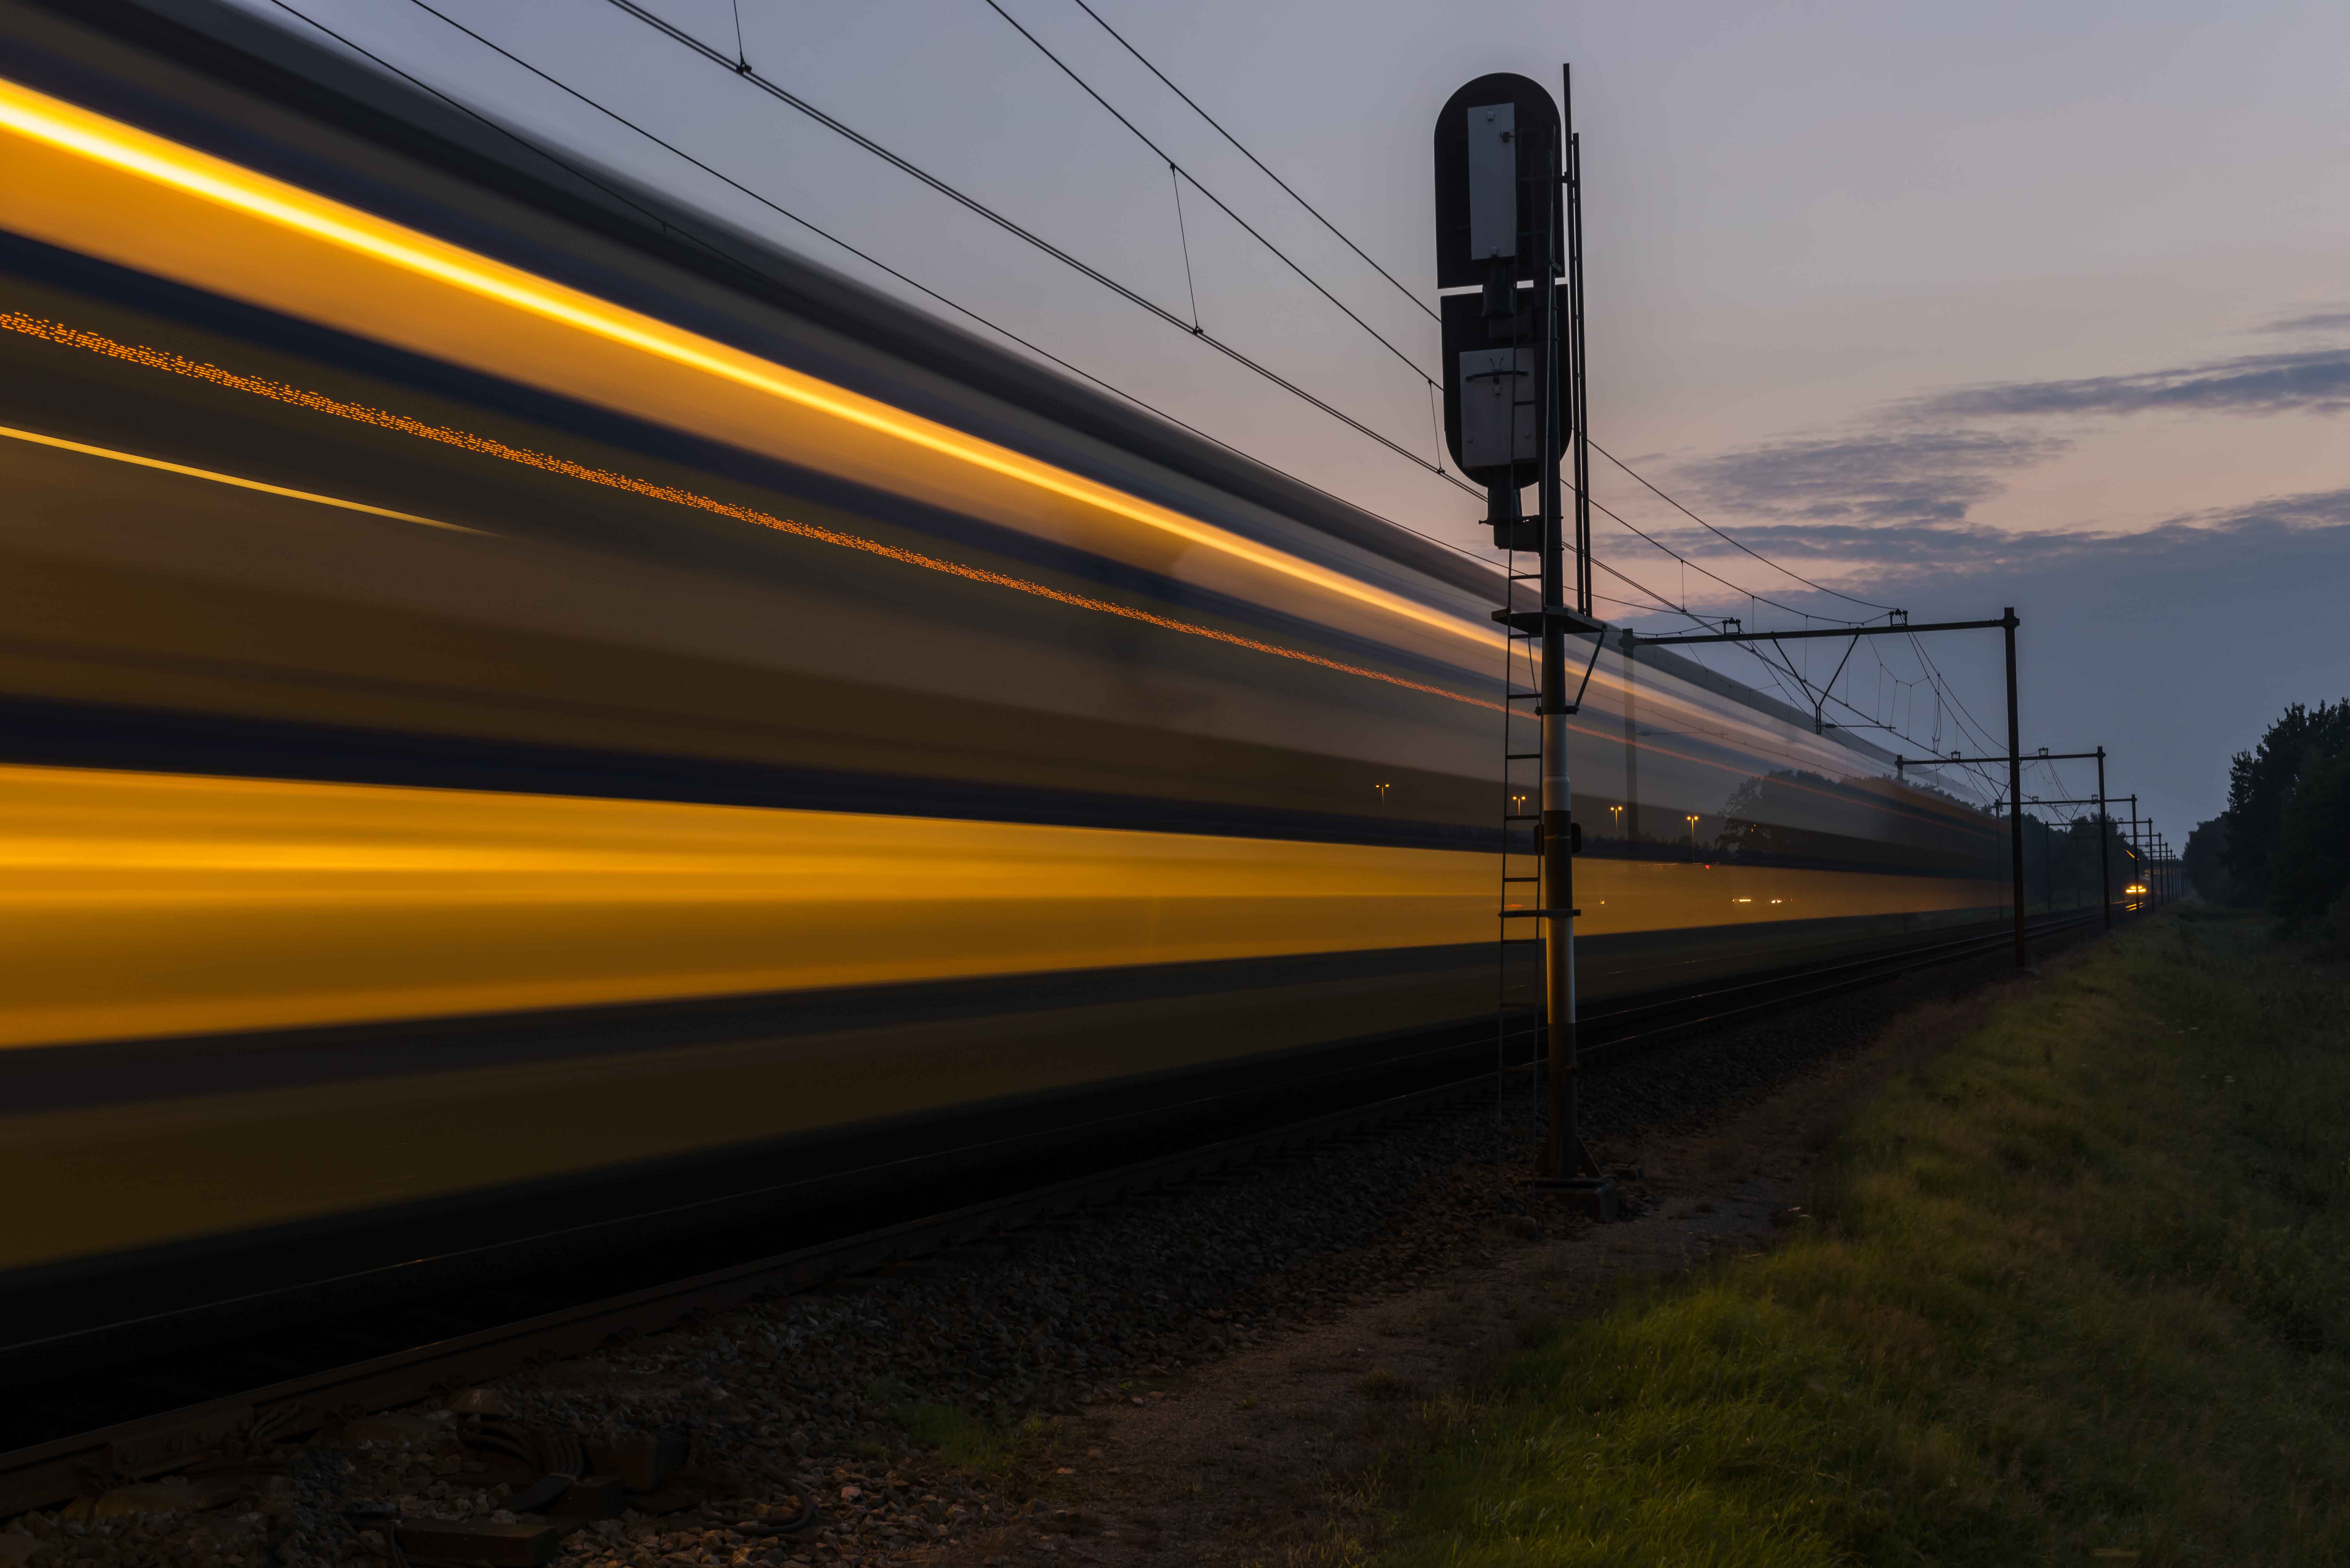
<point>1948,308</point>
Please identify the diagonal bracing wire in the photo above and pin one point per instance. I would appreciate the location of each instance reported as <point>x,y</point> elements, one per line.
<point>1961,714</point>
<point>1260,163</point>
<point>1964,713</point>
<point>1175,181</point>
<point>1311,281</point>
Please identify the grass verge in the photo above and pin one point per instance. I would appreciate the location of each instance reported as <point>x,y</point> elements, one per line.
<point>2078,1290</point>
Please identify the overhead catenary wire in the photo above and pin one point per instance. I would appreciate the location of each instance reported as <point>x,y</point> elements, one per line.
<point>1654,597</point>
<point>1655,600</point>
<point>813,228</point>
<point>1848,707</point>
<point>1961,712</point>
<point>1725,582</point>
<point>1964,713</point>
<point>1827,697</point>
<point>1770,666</point>
<point>1194,328</point>
<point>621,196</point>
<point>861,255</point>
<point>1728,539</point>
<point>1343,238</point>
<point>1659,601</point>
<point>588,176</point>
<point>980,209</point>
<point>1944,701</point>
<point>1134,297</point>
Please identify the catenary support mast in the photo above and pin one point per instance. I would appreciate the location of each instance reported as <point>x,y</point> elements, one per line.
<point>2015,794</point>
<point>1562,1151</point>
<point>2104,854</point>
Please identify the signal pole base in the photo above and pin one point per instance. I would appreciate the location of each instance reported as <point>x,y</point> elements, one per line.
<point>1595,1196</point>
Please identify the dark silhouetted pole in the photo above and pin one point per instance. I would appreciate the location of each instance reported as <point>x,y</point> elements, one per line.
<point>2015,794</point>
<point>1560,1143</point>
<point>2144,877</point>
<point>2105,831</point>
<point>1631,745</point>
<point>1578,409</point>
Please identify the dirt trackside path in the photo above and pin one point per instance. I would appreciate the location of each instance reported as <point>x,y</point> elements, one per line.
<point>1275,1452</point>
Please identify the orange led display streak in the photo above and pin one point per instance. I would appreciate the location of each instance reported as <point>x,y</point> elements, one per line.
<point>278,392</point>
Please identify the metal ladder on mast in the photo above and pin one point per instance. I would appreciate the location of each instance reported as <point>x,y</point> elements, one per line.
<point>1518,1013</point>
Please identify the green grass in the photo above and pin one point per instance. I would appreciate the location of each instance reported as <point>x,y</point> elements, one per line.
<point>2078,1290</point>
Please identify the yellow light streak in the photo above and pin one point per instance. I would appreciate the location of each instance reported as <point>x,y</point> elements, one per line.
<point>140,903</point>
<point>57,124</point>
<point>217,478</point>
<point>144,904</point>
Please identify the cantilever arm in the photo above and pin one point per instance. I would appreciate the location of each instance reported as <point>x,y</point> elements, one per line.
<point>1820,707</point>
<point>1597,639</point>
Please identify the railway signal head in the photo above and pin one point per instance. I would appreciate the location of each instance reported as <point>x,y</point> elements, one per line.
<point>1498,153</point>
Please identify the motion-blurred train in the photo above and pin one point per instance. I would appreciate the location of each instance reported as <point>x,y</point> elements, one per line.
<point>510,690</point>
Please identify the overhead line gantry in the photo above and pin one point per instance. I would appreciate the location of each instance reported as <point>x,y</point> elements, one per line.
<point>1899,625</point>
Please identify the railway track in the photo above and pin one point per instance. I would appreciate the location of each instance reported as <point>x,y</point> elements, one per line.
<point>94,1427</point>
<point>1615,1030</point>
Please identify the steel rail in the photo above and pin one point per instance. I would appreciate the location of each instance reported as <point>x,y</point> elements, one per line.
<point>1666,1019</point>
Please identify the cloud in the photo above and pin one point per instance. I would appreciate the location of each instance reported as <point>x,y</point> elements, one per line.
<point>2172,643</point>
<point>1900,550</point>
<point>2313,381</point>
<point>2309,510</point>
<point>2321,321</point>
<point>2293,525</point>
<point>1895,477</point>
<point>1901,486</point>
<point>1883,509</point>
<point>1883,543</point>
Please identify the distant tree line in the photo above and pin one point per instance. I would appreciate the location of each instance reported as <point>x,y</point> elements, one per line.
<point>2283,843</point>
